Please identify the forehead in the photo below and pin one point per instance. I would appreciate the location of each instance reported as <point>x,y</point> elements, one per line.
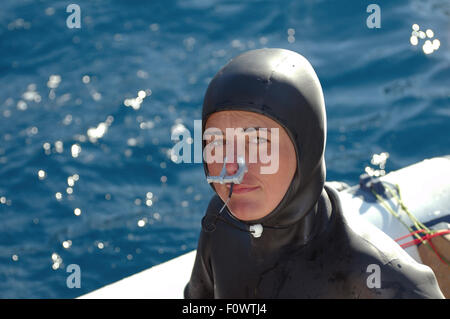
<point>240,119</point>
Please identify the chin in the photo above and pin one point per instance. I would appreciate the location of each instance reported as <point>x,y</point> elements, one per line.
<point>246,210</point>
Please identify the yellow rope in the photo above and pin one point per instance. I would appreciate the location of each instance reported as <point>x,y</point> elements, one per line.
<point>417,224</point>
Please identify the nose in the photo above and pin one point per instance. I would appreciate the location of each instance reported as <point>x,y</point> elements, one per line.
<point>231,167</point>
<point>231,162</point>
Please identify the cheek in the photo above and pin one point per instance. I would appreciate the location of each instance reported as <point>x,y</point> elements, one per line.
<point>288,157</point>
<point>278,183</point>
<point>214,169</point>
<point>274,184</point>
<point>288,163</point>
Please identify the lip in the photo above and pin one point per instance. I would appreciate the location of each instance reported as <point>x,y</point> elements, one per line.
<point>242,189</point>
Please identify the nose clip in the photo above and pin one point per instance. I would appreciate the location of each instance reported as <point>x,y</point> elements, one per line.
<point>235,178</point>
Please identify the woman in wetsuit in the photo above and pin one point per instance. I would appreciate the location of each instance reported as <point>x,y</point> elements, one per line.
<point>303,246</point>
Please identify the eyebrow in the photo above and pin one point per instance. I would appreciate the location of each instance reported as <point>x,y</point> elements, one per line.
<point>208,133</point>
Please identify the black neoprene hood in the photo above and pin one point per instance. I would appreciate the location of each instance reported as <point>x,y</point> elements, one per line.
<point>282,85</point>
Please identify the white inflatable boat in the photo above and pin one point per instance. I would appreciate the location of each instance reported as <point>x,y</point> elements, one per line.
<point>425,190</point>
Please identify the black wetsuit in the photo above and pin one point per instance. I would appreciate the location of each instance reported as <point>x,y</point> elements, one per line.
<point>308,248</point>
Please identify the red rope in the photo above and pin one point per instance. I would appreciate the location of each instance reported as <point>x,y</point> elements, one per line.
<point>422,239</point>
<point>437,254</point>
<point>410,234</point>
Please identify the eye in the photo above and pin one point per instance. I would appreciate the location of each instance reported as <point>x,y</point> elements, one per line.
<point>257,140</point>
<point>215,143</point>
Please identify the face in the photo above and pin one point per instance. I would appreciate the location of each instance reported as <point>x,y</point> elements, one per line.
<point>265,184</point>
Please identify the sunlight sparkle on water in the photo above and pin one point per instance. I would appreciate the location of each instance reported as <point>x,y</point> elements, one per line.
<point>75,149</point>
<point>41,174</point>
<point>95,133</point>
<point>428,46</point>
<point>67,243</point>
<point>57,261</point>
<point>141,222</point>
<point>54,81</point>
<point>136,102</point>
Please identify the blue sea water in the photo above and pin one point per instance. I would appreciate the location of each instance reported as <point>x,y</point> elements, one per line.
<point>68,141</point>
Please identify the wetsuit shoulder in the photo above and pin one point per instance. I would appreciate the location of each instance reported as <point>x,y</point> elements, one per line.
<point>375,265</point>
<point>399,275</point>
